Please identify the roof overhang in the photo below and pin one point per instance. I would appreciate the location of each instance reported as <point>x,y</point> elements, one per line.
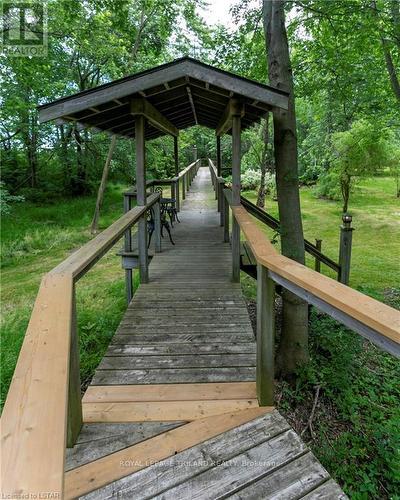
<point>181,94</point>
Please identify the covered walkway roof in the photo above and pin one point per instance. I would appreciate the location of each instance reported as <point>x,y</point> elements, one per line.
<point>172,96</point>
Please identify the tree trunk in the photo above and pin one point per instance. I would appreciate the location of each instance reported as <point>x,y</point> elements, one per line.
<point>394,81</point>
<point>79,184</point>
<point>345,185</point>
<point>263,166</point>
<point>293,346</point>
<point>100,194</point>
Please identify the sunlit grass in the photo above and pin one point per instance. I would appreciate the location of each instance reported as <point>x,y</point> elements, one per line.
<point>375,262</point>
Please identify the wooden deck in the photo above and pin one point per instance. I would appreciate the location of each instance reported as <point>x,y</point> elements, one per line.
<point>172,411</point>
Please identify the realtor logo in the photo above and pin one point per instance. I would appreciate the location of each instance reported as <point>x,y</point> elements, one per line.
<point>24,28</point>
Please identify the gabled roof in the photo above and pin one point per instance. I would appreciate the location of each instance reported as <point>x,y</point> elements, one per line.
<point>186,92</point>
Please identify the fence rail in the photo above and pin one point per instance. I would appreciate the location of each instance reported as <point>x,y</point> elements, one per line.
<point>43,407</point>
<point>269,220</point>
<point>372,319</point>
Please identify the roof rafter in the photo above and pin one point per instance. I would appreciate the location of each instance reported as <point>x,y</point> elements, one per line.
<point>140,106</point>
<point>189,93</point>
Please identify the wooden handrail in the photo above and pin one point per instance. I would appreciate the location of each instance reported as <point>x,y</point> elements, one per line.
<point>159,182</point>
<point>83,259</point>
<point>274,223</point>
<point>186,170</point>
<point>369,312</point>
<point>34,419</point>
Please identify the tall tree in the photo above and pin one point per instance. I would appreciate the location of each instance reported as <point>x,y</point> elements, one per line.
<point>293,346</point>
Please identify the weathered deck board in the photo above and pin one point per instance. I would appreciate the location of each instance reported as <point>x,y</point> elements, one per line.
<point>185,348</point>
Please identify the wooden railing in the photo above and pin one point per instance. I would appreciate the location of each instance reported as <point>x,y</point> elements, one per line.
<point>372,319</point>
<point>180,184</point>
<point>269,220</point>
<point>43,408</point>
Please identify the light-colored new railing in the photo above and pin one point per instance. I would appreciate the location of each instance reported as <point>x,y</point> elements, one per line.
<point>372,319</point>
<point>43,408</point>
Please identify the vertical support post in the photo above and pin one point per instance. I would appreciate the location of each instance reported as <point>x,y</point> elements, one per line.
<point>187,181</point>
<point>75,418</point>
<point>226,219</point>
<point>177,195</point>
<point>219,165</point>
<point>346,237</point>
<point>265,337</point>
<point>176,158</point>
<point>128,248</point>
<point>141,197</point>
<point>176,155</point>
<point>221,203</point>
<point>183,187</point>
<point>318,244</point>
<point>157,226</point>
<point>236,153</point>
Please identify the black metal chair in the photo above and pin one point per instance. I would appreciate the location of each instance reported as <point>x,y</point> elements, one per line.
<point>164,224</point>
<point>169,205</point>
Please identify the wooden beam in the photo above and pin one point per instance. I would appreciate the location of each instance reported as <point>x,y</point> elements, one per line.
<point>140,106</point>
<point>176,155</point>
<point>375,315</point>
<point>219,162</point>
<point>33,423</point>
<point>105,470</point>
<point>141,196</point>
<point>83,259</point>
<point>169,392</point>
<point>265,337</point>
<point>166,411</point>
<point>236,160</point>
<point>189,93</point>
<point>233,108</point>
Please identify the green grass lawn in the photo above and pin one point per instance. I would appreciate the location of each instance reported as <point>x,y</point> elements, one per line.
<point>375,266</point>
<point>34,240</point>
<point>357,419</point>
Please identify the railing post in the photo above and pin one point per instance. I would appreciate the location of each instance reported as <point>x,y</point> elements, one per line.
<point>318,244</point>
<point>177,196</point>
<point>157,226</point>
<point>141,197</point>
<point>187,182</point>
<point>226,219</point>
<point>236,158</point>
<point>221,203</point>
<point>75,418</point>
<point>346,237</point>
<point>183,187</point>
<point>128,248</point>
<point>265,337</point>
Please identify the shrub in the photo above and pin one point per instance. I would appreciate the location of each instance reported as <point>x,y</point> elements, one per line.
<point>6,199</point>
<point>250,179</point>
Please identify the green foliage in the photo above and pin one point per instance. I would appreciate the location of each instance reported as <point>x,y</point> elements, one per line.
<point>358,412</point>
<point>6,200</point>
<point>34,240</point>
<point>364,150</point>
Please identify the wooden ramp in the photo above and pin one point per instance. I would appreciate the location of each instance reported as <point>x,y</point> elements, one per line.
<point>172,409</point>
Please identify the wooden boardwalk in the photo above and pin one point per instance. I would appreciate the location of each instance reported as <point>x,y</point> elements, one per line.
<point>177,387</point>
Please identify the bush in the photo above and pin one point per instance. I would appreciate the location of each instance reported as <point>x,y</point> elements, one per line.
<point>250,179</point>
<point>6,199</point>
<point>311,174</point>
<point>328,186</point>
